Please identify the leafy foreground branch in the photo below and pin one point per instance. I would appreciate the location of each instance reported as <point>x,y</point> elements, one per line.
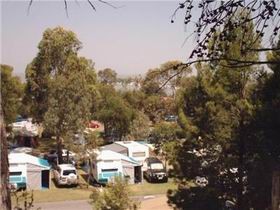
<point>216,20</point>
<point>24,200</point>
<point>114,196</point>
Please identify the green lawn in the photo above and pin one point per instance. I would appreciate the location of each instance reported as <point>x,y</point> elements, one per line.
<point>61,194</point>
<point>146,188</point>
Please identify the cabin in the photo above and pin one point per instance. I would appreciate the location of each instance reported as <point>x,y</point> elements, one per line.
<point>110,164</point>
<point>132,149</point>
<point>27,171</point>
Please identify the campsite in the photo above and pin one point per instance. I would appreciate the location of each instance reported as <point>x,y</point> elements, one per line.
<point>139,105</point>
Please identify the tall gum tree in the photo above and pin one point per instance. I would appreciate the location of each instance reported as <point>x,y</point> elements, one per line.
<point>54,50</point>
<point>70,101</point>
<point>60,85</point>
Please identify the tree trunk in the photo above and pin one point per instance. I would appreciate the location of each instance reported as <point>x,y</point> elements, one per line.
<point>5,192</point>
<point>241,152</point>
<point>67,156</point>
<point>59,149</point>
<point>275,192</point>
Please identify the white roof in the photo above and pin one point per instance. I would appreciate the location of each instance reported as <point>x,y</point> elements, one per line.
<point>16,158</point>
<point>111,155</point>
<point>132,145</point>
<point>26,128</point>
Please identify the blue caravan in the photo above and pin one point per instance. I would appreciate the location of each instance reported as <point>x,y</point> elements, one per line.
<point>27,171</point>
<point>109,165</point>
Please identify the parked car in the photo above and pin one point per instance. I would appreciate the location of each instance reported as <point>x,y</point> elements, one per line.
<point>171,118</point>
<point>52,157</point>
<point>154,170</point>
<point>66,174</point>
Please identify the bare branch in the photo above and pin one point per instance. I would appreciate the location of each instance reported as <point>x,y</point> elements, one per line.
<point>66,8</point>
<point>109,4</point>
<point>232,63</point>
<point>219,16</point>
<point>92,6</point>
<point>29,6</point>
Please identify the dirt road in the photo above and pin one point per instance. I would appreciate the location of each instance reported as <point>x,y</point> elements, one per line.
<point>159,202</point>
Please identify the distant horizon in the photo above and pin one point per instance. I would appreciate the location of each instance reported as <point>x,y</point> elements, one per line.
<point>130,40</point>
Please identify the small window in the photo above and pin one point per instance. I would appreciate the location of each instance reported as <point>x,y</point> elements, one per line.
<point>67,172</point>
<point>109,170</point>
<point>138,154</point>
<point>157,166</point>
<point>15,173</point>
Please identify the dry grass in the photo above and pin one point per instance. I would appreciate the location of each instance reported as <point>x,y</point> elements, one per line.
<point>146,188</point>
<point>75,193</point>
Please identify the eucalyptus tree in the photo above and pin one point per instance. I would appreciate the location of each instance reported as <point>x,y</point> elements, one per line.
<point>69,102</point>
<point>107,76</point>
<point>61,85</point>
<point>11,93</point>
<point>54,50</point>
<point>115,112</point>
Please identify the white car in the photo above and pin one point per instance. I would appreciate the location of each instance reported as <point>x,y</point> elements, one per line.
<point>66,174</point>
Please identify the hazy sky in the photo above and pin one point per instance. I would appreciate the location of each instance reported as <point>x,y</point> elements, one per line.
<point>130,40</point>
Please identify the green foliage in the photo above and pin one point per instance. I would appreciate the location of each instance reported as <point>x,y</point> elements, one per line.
<point>24,200</point>
<point>107,76</point>
<point>116,114</point>
<point>265,149</point>
<point>170,150</point>
<point>215,109</point>
<point>154,107</point>
<point>56,46</point>
<point>114,196</point>
<point>69,101</point>
<point>167,74</point>
<point>135,98</point>
<point>140,127</point>
<point>165,132</point>
<point>165,136</point>
<point>60,85</point>
<point>11,93</point>
<point>151,83</point>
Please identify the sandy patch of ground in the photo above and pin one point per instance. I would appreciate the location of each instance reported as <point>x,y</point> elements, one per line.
<point>157,203</point>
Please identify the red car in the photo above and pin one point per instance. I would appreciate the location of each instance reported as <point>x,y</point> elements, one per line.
<point>93,124</point>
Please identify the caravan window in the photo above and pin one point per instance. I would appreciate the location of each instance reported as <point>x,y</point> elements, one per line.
<point>67,172</point>
<point>109,170</point>
<point>15,173</point>
<point>138,154</point>
<point>157,166</point>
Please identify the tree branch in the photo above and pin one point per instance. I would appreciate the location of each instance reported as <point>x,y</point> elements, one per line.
<point>236,64</point>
